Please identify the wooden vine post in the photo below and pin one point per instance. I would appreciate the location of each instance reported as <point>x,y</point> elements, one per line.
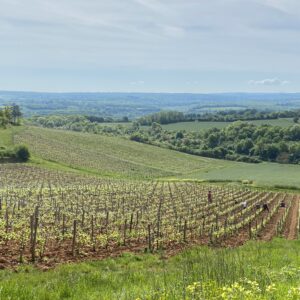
<point>149,238</point>
<point>33,246</point>
<point>74,238</point>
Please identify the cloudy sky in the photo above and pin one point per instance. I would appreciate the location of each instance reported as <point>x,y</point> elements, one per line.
<point>150,45</point>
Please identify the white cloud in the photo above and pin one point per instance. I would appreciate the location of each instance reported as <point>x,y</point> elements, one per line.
<point>137,83</point>
<point>269,82</point>
<point>253,37</point>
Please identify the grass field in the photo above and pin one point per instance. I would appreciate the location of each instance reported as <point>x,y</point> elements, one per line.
<point>202,126</point>
<point>264,174</point>
<point>254,271</point>
<point>7,136</point>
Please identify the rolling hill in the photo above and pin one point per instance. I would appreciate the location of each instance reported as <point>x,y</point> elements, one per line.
<point>121,158</point>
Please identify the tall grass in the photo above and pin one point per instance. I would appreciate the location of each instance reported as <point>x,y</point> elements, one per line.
<point>199,272</point>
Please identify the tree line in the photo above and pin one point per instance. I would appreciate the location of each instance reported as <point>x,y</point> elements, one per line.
<point>168,117</point>
<point>239,141</point>
<point>75,122</point>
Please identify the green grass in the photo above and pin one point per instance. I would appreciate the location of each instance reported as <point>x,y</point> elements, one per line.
<point>285,122</point>
<point>7,135</point>
<point>263,174</point>
<point>203,126</point>
<point>149,277</point>
<point>195,126</point>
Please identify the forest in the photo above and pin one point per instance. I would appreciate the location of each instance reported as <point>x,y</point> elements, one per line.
<point>169,117</point>
<point>240,141</point>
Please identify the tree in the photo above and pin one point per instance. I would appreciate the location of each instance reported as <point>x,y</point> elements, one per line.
<point>3,119</point>
<point>296,119</point>
<point>213,140</point>
<point>15,114</point>
<point>179,135</point>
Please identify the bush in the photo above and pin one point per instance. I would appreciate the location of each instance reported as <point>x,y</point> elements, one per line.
<point>22,153</point>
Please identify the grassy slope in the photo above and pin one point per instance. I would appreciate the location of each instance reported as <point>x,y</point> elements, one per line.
<point>143,276</point>
<point>7,135</point>
<point>110,156</point>
<point>196,126</point>
<point>266,174</point>
<point>118,157</point>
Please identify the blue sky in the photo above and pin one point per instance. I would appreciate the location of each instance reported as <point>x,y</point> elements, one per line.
<point>150,45</point>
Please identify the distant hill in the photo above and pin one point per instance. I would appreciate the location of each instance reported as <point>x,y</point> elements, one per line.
<point>137,104</point>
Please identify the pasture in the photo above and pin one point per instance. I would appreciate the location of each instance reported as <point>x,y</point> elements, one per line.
<point>203,126</point>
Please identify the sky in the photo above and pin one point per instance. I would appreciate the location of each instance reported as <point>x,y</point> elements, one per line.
<point>196,46</point>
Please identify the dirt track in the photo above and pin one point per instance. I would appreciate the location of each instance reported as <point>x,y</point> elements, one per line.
<point>270,230</point>
<point>290,232</point>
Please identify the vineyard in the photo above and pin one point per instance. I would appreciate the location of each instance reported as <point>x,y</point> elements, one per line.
<point>109,156</point>
<point>49,217</point>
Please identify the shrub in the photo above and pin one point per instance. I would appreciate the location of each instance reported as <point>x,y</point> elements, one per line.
<point>22,153</point>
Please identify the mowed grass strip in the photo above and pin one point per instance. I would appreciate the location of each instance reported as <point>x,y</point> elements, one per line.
<point>263,174</point>
<point>203,126</point>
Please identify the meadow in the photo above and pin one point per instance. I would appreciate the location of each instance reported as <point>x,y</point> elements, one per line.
<point>202,126</point>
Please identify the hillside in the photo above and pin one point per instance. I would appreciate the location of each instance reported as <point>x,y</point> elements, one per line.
<point>113,156</point>
<point>121,158</point>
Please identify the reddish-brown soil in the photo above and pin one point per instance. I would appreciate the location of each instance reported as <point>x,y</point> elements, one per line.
<point>270,230</point>
<point>60,252</point>
<point>291,228</point>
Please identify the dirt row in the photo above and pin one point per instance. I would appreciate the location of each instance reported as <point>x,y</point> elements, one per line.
<point>290,231</point>
<point>291,228</point>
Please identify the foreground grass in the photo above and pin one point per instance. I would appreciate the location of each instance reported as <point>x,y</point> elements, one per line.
<point>254,271</point>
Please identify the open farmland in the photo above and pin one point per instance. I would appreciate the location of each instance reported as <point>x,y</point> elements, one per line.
<point>203,126</point>
<point>263,174</point>
<point>57,221</point>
